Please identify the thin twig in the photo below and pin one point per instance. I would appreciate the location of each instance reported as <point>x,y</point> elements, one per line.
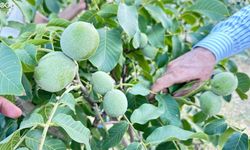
<point>84,90</point>
<point>45,130</point>
<point>136,133</point>
<point>131,134</point>
<point>100,117</point>
<point>176,146</point>
<point>23,137</point>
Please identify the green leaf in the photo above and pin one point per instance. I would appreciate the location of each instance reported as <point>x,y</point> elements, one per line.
<point>162,60</point>
<point>69,100</point>
<point>232,66</point>
<point>145,113</point>
<point>149,51</point>
<point>243,82</point>
<point>134,146</point>
<point>214,9</point>
<point>109,51</point>
<point>28,88</point>
<point>216,127</point>
<point>156,36</point>
<point>91,17</point>
<point>159,15</point>
<point>171,113</point>
<point>241,94</point>
<point>38,41</point>
<point>238,141</point>
<point>75,129</point>
<point>32,141</point>
<point>136,40</point>
<point>139,89</point>
<point>58,22</point>
<point>53,6</point>
<point>10,142</point>
<point>225,136</point>
<point>170,132</point>
<point>22,148</point>
<point>128,19</point>
<point>176,46</point>
<point>27,55</point>
<point>199,117</point>
<point>115,134</point>
<point>108,10</point>
<point>31,121</point>
<point>10,72</point>
<point>27,10</point>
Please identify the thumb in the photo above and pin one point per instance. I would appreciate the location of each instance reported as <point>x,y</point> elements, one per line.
<point>8,109</point>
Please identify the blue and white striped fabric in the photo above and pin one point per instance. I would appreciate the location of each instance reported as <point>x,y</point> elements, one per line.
<point>230,36</point>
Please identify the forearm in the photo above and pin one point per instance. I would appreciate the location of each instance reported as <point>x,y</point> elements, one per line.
<point>230,36</point>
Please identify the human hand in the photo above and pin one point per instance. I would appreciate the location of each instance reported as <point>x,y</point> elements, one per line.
<point>197,64</point>
<point>8,109</point>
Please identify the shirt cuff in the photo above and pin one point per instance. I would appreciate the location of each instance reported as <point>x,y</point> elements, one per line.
<point>219,43</point>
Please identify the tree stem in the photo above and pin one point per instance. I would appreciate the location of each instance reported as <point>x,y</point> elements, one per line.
<point>45,130</point>
<point>47,125</point>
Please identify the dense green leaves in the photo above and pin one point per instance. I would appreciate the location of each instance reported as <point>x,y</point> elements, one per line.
<point>214,9</point>
<point>109,51</point>
<point>10,72</point>
<point>237,141</point>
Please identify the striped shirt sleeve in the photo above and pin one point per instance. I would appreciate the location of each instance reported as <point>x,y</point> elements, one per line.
<point>229,37</point>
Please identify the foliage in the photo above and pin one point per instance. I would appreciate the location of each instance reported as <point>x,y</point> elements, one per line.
<point>137,39</point>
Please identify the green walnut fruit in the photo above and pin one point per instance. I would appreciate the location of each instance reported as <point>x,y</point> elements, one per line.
<point>115,103</point>
<point>54,72</point>
<point>224,83</point>
<point>79,40</point>
<point>102,82</point>
<point>210,103</point>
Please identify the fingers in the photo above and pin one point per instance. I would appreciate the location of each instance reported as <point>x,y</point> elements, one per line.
<point>163,82</point>
<point>8,109</point>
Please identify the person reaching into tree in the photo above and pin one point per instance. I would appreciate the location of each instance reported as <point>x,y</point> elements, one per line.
<point>227,38</point>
